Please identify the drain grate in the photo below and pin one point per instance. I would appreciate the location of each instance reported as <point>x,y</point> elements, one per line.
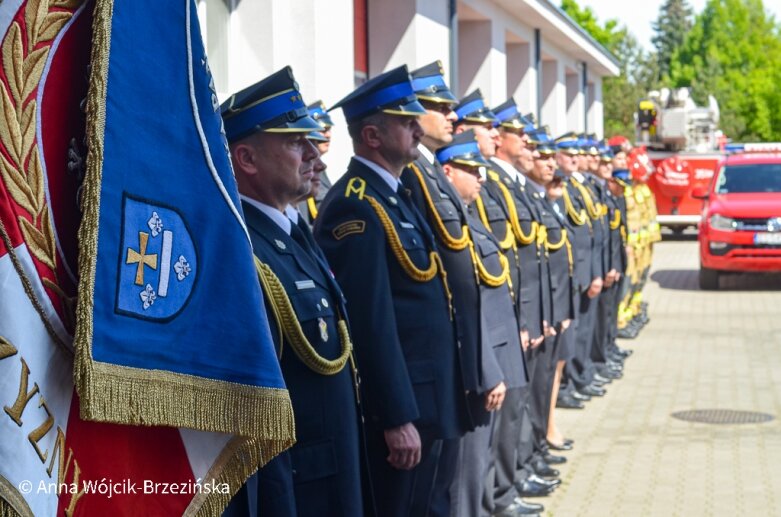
<point>722,416</point>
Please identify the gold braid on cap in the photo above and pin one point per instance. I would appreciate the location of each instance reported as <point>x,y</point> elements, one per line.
<point>522,238</point>
<point>409,267</point>
<point>578,218</point>
<point>509,240</point>
<point>453,243</point>
<point>563,241</point>
<point>294,334</point>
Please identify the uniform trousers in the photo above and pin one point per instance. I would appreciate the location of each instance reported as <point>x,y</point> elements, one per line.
<point>402,493</point>
<point>444,479</point>
<point>504,446</point>
<point>580,369</point>
<point>468,492</point>
<point>541,386</point>
<point>606,322</point>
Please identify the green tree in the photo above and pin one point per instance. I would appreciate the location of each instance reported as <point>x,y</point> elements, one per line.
<point>670,28</point>
<point>638,68</point>
<point>733,52</point>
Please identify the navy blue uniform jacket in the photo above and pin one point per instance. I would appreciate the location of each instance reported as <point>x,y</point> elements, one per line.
<point>324,462</point>
<point>403,331</point>
<point>488,327</point>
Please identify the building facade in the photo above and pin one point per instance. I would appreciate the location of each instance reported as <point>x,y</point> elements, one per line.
<point>528,49</point>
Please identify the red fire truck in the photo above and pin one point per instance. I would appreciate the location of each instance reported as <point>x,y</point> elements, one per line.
<point>685,146</point>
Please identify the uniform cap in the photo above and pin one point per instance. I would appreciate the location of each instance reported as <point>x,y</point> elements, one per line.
<point>318,112</point>
<point>508,116</point>
<point>429,84</point>
<point>390,92</point>
<point>472,108</point>
<point>546,146</point>
<point>568,143</point>
<point>463,149</point>
<point>273,104</point>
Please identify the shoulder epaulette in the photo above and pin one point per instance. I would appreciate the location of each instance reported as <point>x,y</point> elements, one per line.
<point>355,186</point>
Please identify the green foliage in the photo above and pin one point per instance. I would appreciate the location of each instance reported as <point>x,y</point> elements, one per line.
<point>733,52</point>
<point>638,69</point>
<point>670,28</point>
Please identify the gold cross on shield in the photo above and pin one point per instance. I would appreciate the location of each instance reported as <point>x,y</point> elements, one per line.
<point>141,258</point>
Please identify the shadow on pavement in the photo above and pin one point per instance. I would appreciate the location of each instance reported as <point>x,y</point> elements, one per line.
<point>688,280</point>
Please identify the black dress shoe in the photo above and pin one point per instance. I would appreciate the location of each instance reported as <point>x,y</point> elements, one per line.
<point>551,459</point>
<point>603,380</point>
<point>564,446</point>
<point>569,441</point>
<point>593,391</point>
<point>514,511</point>
<point>580,396</point>
<point>609,374</point>
<point>543,469</point>
<point>552,483</point>
<point>527,488</point>
<point>528,506</point>
<point>567,402</point>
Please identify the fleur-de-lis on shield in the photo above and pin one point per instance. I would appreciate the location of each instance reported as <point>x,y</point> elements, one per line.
<point>182,268</point>
<point>155,224</point>
<point>148,296</point>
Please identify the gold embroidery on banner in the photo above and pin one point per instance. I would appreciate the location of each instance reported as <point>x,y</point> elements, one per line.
<point>12,502</point>
<point>264,415</point>
<point>6,348</point>
<point>24,56</point>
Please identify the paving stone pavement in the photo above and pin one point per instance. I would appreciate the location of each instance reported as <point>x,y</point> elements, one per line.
<point>701,350</point>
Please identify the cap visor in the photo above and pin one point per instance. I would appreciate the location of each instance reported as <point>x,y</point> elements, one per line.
<point>410,109</point>
<point>482,117</point>
<point>325,120</point>
<point>317,137</point>
<point>302,125</point>
<point>473,161</point>
<point>513,124</point>
<point>442,96</point>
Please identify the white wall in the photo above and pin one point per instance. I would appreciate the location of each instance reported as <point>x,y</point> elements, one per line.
<point>595,107</point>
<point>249,39</point>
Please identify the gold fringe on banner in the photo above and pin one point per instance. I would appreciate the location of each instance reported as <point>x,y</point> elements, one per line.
<point>263,417</point>
<point>12,502</point>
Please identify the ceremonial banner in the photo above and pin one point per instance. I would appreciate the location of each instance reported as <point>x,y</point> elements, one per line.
<point>205,368</point>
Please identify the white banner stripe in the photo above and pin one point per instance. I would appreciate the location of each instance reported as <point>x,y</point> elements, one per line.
<point>50,368</point>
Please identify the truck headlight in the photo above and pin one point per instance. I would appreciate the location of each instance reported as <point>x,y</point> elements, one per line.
<point>725,224</point>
